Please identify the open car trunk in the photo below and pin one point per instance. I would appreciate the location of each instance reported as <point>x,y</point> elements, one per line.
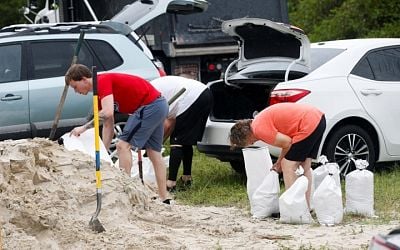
<point>232,103</point>
<point>245,98</point>
<point>269,53</point>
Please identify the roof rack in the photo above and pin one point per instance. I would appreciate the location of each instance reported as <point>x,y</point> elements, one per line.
<point>58,28</point>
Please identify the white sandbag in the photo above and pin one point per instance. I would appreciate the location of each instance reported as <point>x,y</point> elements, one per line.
<point>360,190</point>
<point>322,171</point>
<point>293,204</point>
<point>328,200</point>
<point>85,144</point>
<point>265,200</point>
<point>257,165</point>
<point>149,175</point>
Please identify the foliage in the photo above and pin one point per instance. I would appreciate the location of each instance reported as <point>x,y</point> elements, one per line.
<point>10,13</point>
<point>345,19</point>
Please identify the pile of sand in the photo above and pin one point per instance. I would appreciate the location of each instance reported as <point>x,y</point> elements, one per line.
<point>48,195</point>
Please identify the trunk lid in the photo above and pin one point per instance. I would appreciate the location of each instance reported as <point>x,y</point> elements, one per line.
<point>268,50</point>
<point>143,11</point>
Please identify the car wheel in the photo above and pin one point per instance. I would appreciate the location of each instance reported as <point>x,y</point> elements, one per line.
<point>238,166</point>
<point>118,127</point>
<point>347,144</point>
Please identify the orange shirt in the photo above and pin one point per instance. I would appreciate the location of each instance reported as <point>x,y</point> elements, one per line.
<point>295,120</point>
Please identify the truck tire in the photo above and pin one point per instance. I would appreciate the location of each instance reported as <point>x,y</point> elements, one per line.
<point>347,144</point>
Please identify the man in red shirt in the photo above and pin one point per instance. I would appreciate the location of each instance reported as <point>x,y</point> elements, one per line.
<point>131,95</point>
<point>296,128</point>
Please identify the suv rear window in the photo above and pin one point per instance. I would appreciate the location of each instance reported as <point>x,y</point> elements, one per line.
<point>107,55</point>
<point>53,58</point>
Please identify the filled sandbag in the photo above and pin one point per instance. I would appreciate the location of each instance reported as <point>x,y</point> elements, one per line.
<point>327,200</point>
<point>257,165</point>
<point>293,204</point>
<point>265,200</point>
<point>360,190</point>
<point>149,175</point>
<point>322,171</point>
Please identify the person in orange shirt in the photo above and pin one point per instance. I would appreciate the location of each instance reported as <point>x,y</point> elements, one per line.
<point>296,128</point>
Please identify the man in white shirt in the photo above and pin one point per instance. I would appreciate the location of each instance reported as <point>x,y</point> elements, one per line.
<point>185,122</point>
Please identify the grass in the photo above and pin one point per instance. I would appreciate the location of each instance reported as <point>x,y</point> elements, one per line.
<point>216,184</point>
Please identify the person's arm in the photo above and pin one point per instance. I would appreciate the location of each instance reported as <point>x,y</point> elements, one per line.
<point>284,142</point>
<point>169,125</point>
<point>106,115</point>
<point>106,118</point>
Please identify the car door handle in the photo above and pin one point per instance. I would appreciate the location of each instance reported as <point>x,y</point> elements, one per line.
<point>11,97</point>
<point>371,92</point>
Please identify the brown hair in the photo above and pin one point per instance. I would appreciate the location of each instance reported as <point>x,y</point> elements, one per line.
<point>240,133</point>
<point>76,72</point>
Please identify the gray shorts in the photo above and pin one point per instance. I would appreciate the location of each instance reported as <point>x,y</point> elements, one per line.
<point>145,127</point>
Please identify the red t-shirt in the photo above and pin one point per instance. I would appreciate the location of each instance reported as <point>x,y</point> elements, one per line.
<point>295,120</point>
<point>130,92</point>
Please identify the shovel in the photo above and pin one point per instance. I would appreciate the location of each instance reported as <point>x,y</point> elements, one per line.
<point>94,222</point>
<point>64,93</point>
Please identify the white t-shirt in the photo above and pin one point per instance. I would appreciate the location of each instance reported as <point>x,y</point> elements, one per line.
<point>170,85</point>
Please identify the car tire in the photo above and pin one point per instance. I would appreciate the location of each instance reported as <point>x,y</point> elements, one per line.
<point>347,144</point>
<point>238,166</point>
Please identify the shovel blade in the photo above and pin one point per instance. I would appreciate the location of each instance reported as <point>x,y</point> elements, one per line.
<point>96,226</point>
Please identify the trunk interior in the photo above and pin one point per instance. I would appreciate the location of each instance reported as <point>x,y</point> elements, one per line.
<point>233,103</point>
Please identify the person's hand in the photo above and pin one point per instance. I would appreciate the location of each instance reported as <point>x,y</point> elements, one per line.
<point>277,167</point>
<point>77,131</point>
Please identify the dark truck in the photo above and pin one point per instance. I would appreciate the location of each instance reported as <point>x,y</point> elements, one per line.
<point>185,35</point>
<point>194,44</point>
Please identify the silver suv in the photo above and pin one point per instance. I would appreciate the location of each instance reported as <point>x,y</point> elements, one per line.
<point>34,59</point>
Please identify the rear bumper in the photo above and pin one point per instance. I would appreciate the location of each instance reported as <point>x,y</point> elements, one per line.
<point>221,152</point>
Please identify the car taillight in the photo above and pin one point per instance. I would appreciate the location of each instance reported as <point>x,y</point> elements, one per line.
<point>161,72</point>
<point>287,95</point>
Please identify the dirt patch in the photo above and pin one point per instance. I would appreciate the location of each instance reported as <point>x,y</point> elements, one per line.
<point>48,195</point>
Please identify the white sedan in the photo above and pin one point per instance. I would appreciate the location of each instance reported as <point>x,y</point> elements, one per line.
<point>356,84</point>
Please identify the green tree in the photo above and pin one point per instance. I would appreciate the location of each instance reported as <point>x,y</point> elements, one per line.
<point>345,19</point>
<point>10,12</point>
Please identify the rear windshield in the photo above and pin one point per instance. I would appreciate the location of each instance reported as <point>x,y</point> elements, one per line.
<point>319,56</point>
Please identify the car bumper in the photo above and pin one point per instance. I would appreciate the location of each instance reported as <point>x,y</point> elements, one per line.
<point>221,152</point>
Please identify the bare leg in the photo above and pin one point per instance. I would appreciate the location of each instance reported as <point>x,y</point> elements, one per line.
<point>307,173</point>
<point>288,170</point>
<point>159,170</point>
<point>124,156</point>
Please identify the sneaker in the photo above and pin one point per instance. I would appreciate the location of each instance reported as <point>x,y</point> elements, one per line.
<point>168,202</point>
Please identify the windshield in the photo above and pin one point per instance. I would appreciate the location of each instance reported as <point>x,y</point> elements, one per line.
<point>319,56</point>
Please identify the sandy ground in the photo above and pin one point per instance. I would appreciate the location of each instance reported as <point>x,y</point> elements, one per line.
<point>47,197</point>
